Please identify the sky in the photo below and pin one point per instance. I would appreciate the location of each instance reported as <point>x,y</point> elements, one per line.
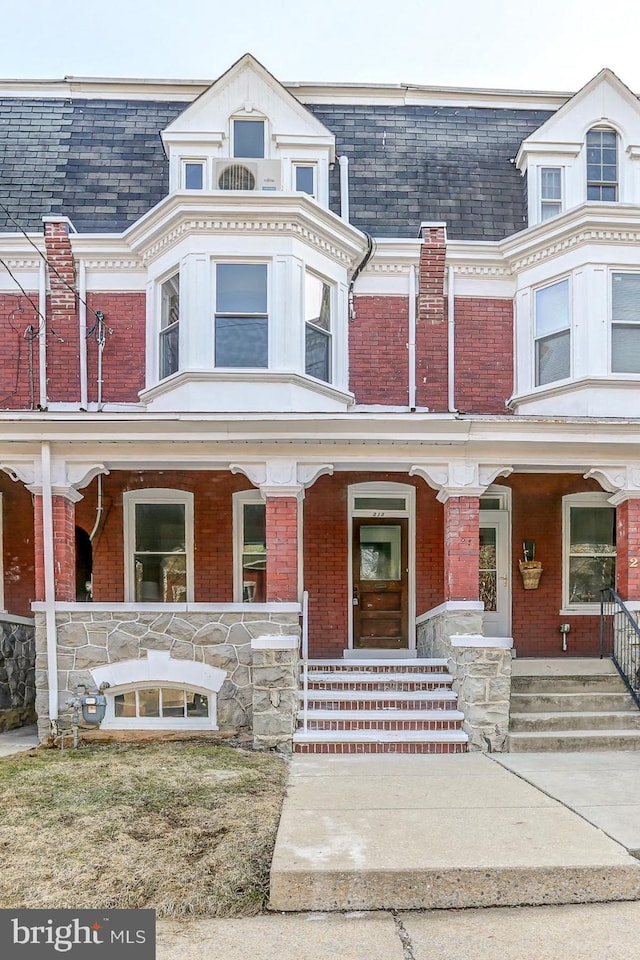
<point>536,45</point>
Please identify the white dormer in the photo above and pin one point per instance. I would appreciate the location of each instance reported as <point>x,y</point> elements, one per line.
<point>247,132</point>
<point>589,150</point>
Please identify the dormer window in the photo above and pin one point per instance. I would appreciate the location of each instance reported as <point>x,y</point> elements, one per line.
<point>305,178</point>
<point>193,175</point>
<point>248,139</point>
<point>602,164</point>
<point>550,192</point>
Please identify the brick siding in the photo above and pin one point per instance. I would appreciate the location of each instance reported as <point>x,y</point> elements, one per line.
<point>461,548</point>
<point>282,549</point>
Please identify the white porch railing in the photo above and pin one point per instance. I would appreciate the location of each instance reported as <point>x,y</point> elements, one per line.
<point>304,658</point>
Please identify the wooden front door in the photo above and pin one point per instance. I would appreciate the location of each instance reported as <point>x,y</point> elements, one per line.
<point>380,583</point>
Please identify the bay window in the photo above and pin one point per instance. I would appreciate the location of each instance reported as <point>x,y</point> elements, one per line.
<point>169,326</point>
<point>552,333</point>
<point>625,323</point>
<point>241,321</point>
<point>317,317</point>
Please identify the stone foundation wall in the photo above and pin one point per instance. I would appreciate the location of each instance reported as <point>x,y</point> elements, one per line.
<point>94,638</point>
<point>17,673</point>
<point>276,671</point>
<point>481,675</point>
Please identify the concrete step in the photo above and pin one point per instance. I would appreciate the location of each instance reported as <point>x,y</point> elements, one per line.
<point>418,665</point>
<point>574,740</point>
<point>374,681</point>
<point>572,702</point>
<point>380,741</point>
<point>383,719</point>
<point>564,720</point>
<point>606,683</point>
<point>444,699</point>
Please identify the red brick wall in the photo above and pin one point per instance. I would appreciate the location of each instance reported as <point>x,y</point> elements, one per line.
<point>19,549</point>
<point>461,548</point>
<point>378,356</point>
<point>63,350</point>
<point>484,354</point>
<point>431,332</point>
<point>282,549</point>
<point>537,515</point>
<point>16,315</point>
<point>326,573</point>
<point>212,520</point>
<point>64,547</point>
<point>628,550</point>
<point>123,358</point>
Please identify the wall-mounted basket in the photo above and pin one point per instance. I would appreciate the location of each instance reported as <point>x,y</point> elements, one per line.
<point>530,571</point>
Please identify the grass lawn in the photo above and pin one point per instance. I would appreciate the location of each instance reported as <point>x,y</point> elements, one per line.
<point>185,828</point>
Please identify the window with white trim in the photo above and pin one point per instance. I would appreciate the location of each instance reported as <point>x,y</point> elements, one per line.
<point>158,538</point>
<point>241,320</point>
<point>248,139</point>
<point>193,174</point>
<point>250,547</point>
<point>177,703</point>
<point>625,323</point>
<point>170,326</point>
<point>550,192</point>
<point>317,318</point>
<point>552,333</point>
<point>602,164</point>
<point>304,175</point>
<point>589,539</point>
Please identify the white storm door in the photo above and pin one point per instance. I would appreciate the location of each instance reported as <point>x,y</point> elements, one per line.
<point>495,572</point>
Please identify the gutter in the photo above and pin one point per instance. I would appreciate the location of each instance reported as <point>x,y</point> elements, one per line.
<point>49,581</point>
<point>42,338</point>
<point>411,346</point>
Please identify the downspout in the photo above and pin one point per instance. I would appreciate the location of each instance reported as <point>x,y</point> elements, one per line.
<point>344,187</point>
<point>49,581</point>
<point>82,318</point>
<point>451,341</point>
<point>98,510</point>
<point>412,338</point>
<point>42,337</point>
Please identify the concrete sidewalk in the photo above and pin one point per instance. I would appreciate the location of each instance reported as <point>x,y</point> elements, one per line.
<point>604,788</point>
<point>17,741</point>
<point>595,932</point>
<point>413,832</point>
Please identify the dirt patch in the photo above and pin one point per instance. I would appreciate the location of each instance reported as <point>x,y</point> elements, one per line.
<point>187,829</point>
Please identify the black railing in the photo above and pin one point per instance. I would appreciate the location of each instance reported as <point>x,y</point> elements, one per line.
<point>620,639</point>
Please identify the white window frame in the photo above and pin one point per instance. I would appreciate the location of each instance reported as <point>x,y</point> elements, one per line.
<point>314,168</point>
<point>240,498</point>
<point>111,721</point>
<point>548,201</point>
<point>614,271</point>
<point>193,161</point>
<point>175,272</point>
<point>590,499</point>
<point>534,295</point>
<point>251,118</point>
<point>330,333</point>
<point>602,128</point>
<point>155,495</point>
<point>242,261</point>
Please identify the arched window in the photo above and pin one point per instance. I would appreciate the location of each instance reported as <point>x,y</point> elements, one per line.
<point>602,164</point>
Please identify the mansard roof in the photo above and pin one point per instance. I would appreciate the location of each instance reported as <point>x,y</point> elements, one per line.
<point>101,163</point>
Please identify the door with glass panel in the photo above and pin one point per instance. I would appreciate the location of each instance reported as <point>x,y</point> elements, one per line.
<point>380,583</point>
<point>495,579</point>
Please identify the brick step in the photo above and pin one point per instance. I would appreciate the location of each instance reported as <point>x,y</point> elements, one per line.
<point>574,740</point>
<point>323,680</point>
<point>421,665</point>
<point>390,700</point>
<point>565,721</point>
<point>387,741</point>
<point>587,684</point>
<point>572,702</point>
<point>383,719</point>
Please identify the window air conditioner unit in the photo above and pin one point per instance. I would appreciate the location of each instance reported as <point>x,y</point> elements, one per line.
<point>234,174</point>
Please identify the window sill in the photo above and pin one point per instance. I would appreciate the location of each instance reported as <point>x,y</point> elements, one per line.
<point>584,610</point>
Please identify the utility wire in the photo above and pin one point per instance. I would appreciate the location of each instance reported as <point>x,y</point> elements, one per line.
<point>43,322</point>
<point>97,313</point>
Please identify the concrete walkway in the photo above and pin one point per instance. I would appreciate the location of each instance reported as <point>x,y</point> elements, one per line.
<point>595,932</point>
<point>412,832</point>
<point>17,741</point>
<point>604,788</point>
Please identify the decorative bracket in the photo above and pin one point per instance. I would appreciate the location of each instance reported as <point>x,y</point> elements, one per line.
<point>282,478</point>
<point>459,478</point>
<point>67,477</point>
<point>622,481</point>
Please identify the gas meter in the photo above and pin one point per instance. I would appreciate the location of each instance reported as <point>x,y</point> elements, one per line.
<point>93,707</point>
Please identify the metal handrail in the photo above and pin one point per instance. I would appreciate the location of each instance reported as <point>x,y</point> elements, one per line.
<point>304,658</point>
<point>620,639</point>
